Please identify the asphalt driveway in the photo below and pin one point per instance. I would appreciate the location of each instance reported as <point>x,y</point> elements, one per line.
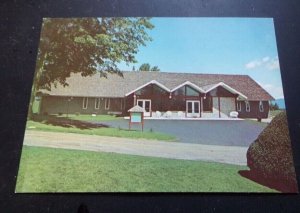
<point>142,147</point>
<point>225,133</point>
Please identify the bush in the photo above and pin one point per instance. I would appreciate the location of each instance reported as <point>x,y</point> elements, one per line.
<point>270,156</point>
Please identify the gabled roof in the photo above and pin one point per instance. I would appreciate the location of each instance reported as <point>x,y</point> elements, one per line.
<point>117,86</point>
<point>144,85</point>
<point>199,89</point>
<point>136,108</point>
<point>225,86</point>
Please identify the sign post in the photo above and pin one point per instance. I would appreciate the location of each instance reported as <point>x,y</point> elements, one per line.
<point>136,116</point>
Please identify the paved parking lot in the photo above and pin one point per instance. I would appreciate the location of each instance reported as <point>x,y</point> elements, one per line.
<point>209,132</point>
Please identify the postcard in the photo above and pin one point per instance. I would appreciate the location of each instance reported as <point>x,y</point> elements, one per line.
<point>140,104</point>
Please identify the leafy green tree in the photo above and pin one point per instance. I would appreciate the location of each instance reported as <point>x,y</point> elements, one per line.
<point>144,67</point>
<point>147,67</point>
<point>86,46</point>
<point>155,68</point>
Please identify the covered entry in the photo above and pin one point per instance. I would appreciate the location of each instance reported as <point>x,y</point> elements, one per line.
<point>146,105</point>
<point>193,108</point>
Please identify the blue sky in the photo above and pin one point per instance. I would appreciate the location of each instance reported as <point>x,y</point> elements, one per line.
<point>215,45</point>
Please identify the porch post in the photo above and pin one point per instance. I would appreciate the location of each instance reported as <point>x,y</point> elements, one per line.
<point>200,105</point>
<point>235,101</point>
<point>219,106</point>
<point>186,106</point>
<point>134,99</point>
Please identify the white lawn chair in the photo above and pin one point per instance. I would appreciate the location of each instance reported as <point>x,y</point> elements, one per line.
<point>233,114</point>
<point>180,114</point>
<point>158,114</point>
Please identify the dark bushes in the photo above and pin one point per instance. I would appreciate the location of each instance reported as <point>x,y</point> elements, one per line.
<point>270,157</point>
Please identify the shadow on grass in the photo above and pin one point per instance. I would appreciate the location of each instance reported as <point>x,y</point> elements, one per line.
<point>277,184</point>
<point>66,122</point>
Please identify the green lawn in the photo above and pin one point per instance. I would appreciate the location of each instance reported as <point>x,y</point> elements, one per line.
<point>273,113</point>
<point>114,132</point>
<point>59,170</point>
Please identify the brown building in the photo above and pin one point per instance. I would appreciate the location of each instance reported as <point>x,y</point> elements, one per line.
<point>183,94</point>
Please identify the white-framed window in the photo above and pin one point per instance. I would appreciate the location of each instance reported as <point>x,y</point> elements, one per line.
<point>239,106</point>
<point>85,102</point>
<point>97,103</point>
<point>261,106</point>
<point>247,106</point>
<point>107,103</point>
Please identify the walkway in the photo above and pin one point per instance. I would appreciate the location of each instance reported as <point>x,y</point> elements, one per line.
<point>173,150</point>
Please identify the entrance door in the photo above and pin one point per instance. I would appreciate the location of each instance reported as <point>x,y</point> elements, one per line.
<point>146,104</point>
<point>193,109</point>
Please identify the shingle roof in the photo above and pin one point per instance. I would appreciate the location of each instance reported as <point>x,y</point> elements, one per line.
<point>116,86</point>
<point>136,108</point>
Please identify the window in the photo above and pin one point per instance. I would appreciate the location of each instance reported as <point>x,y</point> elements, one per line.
<point>191,92</point>
<point>239,106</point>
<point>107,103</point>
<point>247,106</point>
<point>196,106</point>
<point>190,107</point>
<point>180,91</point>
<point>97,103</point>
<point>85,103</point>
<point>261,106</point>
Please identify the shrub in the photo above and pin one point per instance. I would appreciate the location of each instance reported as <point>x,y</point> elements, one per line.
<point>60,113</point>
<point>270,157</point>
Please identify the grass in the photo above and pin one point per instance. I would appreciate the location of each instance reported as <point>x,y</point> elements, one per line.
<point>103,131</point>
<point>60,170</point>
<point>273,113</point>
<point>92,118</point>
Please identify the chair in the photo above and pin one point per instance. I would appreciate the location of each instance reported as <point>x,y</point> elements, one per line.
<point>180,114</point>
<point>233,114</point>
<point>158,114</point>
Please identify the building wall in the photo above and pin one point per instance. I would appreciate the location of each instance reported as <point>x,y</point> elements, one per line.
<point>215,103</point>
<point>254,110</point>
<point>58,104</point>
<point>227,105</point>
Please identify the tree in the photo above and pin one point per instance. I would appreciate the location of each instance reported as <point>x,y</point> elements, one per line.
<point>147,67</point>
<point>144,67</point>
<point>86,46</point>
<point>274,106</point>
<point>155,68</point>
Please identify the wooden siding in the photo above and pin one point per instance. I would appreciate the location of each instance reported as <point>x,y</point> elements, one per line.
<point>58,104</point>
<point>254,110</point>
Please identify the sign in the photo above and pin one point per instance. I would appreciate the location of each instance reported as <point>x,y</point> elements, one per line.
<point>136,117</point>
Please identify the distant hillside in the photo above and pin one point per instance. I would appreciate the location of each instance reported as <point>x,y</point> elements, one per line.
<point>280,103</point>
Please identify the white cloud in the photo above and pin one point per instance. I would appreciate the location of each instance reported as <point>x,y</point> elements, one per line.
<point>253,64</point>
<point>275,91</point>
<point>264,63</point>
<point>273,65</point>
